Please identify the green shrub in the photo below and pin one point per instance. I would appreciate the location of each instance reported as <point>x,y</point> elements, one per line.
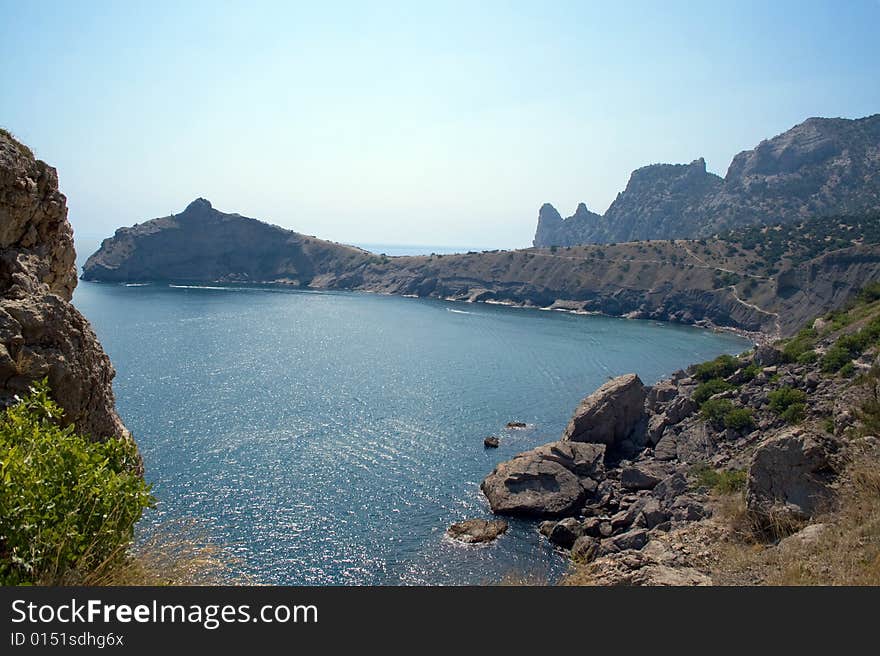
<point>847,370</point>
<point>710,388</point>
<point>720,367</point>
<point>834,359</point>
<point>739,419</point>
<point>804,341</point>
<point>783,398</point>
<point>714,411</point>
<point>68,505</point>
<point>808,357</point>
<point>795,413</point>
<point>870,293</point>
<point>721,481</point>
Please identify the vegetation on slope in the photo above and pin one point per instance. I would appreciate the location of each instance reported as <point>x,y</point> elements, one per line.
<point>68,505</point>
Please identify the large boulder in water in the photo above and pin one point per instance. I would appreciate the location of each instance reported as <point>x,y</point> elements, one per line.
<point>552,480</point>
<point>610,414</point>
<point>790,478</point>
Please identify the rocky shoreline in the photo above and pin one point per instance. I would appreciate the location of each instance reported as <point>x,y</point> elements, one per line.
<point>620,491</point>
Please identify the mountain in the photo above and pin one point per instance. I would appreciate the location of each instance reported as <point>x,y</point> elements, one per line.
<point>203,244</point>
<point>823,166</point>
<point>768,281</point>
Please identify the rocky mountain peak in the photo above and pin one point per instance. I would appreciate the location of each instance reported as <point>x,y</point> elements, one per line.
<point>199,205</point>
<point>820,167</point>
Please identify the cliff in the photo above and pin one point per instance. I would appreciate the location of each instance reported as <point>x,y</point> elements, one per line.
<point>820,167</point>
<point>202,244</point>
<point>41,333</point>
<point>731,281</point>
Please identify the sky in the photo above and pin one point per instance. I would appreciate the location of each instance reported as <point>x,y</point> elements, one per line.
<point>411,123</point>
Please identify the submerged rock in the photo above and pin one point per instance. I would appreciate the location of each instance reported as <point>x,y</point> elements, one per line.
<point>491,442</point>
<point>516,424</point>
<point>473,531</point>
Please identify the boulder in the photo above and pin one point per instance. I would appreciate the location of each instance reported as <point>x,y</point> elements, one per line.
<point>552,480</point>
<point>662,392</point>
<point>656,426</point>
<point>515,424</point>
<point>565,532</point>
<point>767,355</point>
<point>610,414</point>
<point>584,549</point>
<point>473,531</point>
<point>669,488</point>
<point>633,539</point>
<point>491,442</point>
<point>791,477</point>
<point>680,408</point>
<point>639,477</point>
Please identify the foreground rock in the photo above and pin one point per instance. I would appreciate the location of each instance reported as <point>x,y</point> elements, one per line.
<point>41,333</point>
<point>611,414</point>
<point>791,477</point>
<point>473,531</point>
<point>552,480</point>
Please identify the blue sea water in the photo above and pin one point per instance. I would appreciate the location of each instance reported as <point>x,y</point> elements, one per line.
<point>331,437</point>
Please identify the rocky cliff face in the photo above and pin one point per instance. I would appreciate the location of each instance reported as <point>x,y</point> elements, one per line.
<point>41,333</point>
<point>203,244</point>
<point>715,282</point>
<point>820,167</point>
<point>556,231</point>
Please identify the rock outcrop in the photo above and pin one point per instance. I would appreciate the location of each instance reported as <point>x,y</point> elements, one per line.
<point>821,167</point>
<point>791,477</point>
<point>549,481</point>
<point>41,333</point>
<point>553,230</point>
<point>476,531</point>
<point>611,414</point>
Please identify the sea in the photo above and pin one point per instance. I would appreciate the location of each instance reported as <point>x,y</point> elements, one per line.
<point>330,438</point>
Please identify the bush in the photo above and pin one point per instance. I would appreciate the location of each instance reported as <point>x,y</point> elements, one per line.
<point>721,481</point>
<point>739,419</point>
<point>68,505</point>
<point>834,359</point>
<point>808,357</point>
<point>784,397</point>
<point>714,411</point>
<point>795,413</point>
<point>720,367</point>
<point>710,388</point>
<point>804,341</point>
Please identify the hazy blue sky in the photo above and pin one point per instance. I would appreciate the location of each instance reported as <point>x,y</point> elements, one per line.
<point>423,123</point>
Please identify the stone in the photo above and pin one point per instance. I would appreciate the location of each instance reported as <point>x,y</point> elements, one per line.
<point>670,487</point>
<point>791,477</point>
<point>546,481</point>
<point>473,531</point>
<point>656,426</point>
<point>680,408</point>
<point>584,549</point>
<point>639,478</point>
<point>767,355</point>
<point>491,442</point>
<point>565,532</point>
<point>610,414</point>
<point>632,539</point>
<point>515,424</point>
<point>545,528</point>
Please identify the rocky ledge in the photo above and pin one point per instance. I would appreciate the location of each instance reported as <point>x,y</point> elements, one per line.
<point>622,483</point>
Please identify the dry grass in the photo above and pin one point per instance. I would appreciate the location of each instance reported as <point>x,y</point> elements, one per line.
<point>845,552</point>
<point>178,553</point>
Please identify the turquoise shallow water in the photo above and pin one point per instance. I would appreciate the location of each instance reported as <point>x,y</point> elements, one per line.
<point>330,438</point>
